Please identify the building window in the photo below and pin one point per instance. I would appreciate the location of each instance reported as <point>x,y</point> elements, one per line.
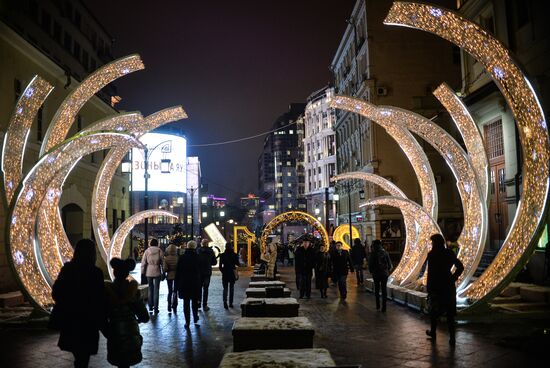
<point>68,42</point>
<point>122,215</point>
<point>85,58</point>
<point>39,119</point>
<point>289,174</point>
<point>291,131</point>
<point>494,139</point>
<point>17,88</point>
<point>114,219</point>
<point>33,10</point>
<point>46,21</point>
<point>76,50</point>
<point>57,32</point>
<point>77,19</point>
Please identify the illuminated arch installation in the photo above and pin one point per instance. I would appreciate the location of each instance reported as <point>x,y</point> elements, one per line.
<point>293,216</point>
<point>341,231</point>
<point>533,134</point>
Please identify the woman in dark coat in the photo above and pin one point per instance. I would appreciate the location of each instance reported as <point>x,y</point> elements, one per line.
<point>80,304</point>
<point>441,285</point>
<point>188,282</point>
<point>323,268</point>
<point>380,266</point>
<point>228,264</point>
<point>125,310</point>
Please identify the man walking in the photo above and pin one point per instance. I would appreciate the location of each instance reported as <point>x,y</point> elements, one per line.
<point>358,255</point>
<point>304,263</point>
<point>207,259</point>
<point>341,263</point>
<point>380,267</point>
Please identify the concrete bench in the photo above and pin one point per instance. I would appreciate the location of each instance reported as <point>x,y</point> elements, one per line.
<point>417,300</point>
<point>261,293</point>
<point>262,284</point>
<point>272,333</point>
<point>263,278</point>
<point>11,299</point>
<point>301,358</point>
<point>398,294</point>
<point>273,307</point>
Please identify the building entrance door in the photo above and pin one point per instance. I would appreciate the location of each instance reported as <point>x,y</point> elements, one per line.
<point>498,207</point>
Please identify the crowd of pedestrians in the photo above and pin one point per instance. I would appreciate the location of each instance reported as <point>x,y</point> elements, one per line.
<point>85,305</point>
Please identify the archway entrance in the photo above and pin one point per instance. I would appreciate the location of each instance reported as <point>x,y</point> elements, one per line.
<point>290,217</point>
<point>73,222</point>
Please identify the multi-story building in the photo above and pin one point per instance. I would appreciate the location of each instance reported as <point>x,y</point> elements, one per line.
<point>320,155</point>
<point>62,42</point>
<point>280,165</point>
<point>521,26</point>
<point>387,66</point>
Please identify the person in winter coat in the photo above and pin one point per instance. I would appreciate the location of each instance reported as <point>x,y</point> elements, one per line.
<point>441,285</point>
<point>380,266</point>
<point>79,308</point>
<point>304,262</point>
<point>188,282</point>
<point>323,266</point>
<point>358,255</point>
<point>169,266</point>
<point>270,256</point>
<point>341,263</point>
<point>151,266</point>
<point>125,310</point>
<point>207,259</point>
<point>228,266</point>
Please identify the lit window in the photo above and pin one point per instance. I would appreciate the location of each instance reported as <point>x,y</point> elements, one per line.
<point>290,185</point>
<point>289,174</point>
<point>288,163</point>
<point>291,131</point>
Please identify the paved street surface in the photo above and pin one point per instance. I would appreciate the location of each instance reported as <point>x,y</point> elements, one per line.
<point>354,332</point>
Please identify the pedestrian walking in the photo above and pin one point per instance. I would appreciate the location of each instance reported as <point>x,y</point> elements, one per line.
<point>341,264</point>
<point>323,267</point>
<point>207,259</point>
<point>228,267</point>
<point>125,310</point>
<point>188,282</point>
<point>169,267</point>
<point>358,256</point>
<point>79,311</point>
<point>290,255</point>
<point>304,259</point>
<point>151,267</point>
<point>331,251</point>
<point>441,286</point>
<point>380,266</point>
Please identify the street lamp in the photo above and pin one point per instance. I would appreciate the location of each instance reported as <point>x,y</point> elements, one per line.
<point>193,190</point>
<point>222,213</point>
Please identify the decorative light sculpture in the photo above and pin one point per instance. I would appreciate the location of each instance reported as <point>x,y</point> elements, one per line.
<point>469,132</point>
<point>120,235</point>
<point>250,238</point>
<point>289,217</point>
<point>52,239</point>
<point>69,108</point>
<point>533,134</point>
<point>21,238</point>
<point>401,274</point>
<point>108,169</point>
<point>341,231</point>
<point>16,134</point>
<point>424,228</point>
<point>472,237</point>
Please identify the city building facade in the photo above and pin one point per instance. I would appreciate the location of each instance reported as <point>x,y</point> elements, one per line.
<point>394,66</point>
<point>320,156</point>
<point>521,26</point>
<point>193,207</point>
<point>62,42</point>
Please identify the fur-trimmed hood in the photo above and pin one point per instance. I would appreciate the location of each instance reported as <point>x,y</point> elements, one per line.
<point>121,292</point>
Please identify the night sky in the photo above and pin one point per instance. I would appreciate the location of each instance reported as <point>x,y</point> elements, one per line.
<point>233,65</point>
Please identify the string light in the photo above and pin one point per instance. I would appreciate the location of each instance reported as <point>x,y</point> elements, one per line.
<point>293,216</point>
<point>27,200</point>
<point>520,96</point>
<point>120,235</point>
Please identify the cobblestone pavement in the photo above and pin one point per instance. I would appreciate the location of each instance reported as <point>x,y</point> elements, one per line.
<point>354,332</point>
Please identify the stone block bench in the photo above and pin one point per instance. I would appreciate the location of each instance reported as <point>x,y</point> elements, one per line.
<point>300,358</point>
<point>417,300</point>
<point>270,307</point>
<point>398,293</point>
<point>11,299</point>
<point>262,284</point>
<point>263,277</point>
<point>261,293</point>
<point>272,333</point>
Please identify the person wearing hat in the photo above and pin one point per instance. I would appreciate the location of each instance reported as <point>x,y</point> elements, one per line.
<point>188,282</point>
<point>207,259</point>
<point>304,263</point>
<point>125,310</point>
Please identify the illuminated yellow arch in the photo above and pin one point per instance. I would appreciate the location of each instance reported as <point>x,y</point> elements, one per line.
<point>250,238</point>
<point>293,216</point>
<point>341,231</point>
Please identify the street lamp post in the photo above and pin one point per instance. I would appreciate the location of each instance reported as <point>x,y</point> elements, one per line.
<point>349,213</point>
<point>193,190</point>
